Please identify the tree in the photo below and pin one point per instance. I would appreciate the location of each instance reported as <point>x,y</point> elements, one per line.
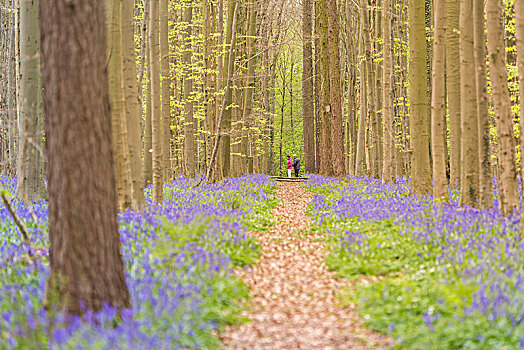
<point>519,14</point>
<point>453,88</point>
<point>438,104</point>
<point>326,154</point>
<point>156,117</point>
<point>85,258</point>
<point>132,106</point>
<point>469,180</point>
<point>117,99</point>
<point>337,119</point>
<point>166,89</point>
<point>31,177</point>
<point>308,109</point>
<point>509,198</point>
<point>419,128</point>
<point>388,174</point>
<point>485,183</point>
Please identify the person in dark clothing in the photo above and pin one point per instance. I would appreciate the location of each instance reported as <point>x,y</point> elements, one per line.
<point>296,164</point>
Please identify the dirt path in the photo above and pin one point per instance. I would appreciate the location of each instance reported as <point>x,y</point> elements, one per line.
<point>293,293</point>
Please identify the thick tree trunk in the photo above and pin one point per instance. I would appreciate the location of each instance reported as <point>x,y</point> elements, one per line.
<point>485,181</point>
<point>132,105</point>
<point>156,117</point>
<point>509,197</point>
<point>250,81</point>
<point>308,107</point>
<point>438,105</point>
<point>360,162</point>
<point>419,128</point>
<point>31,177</point>
<point>86,263</point>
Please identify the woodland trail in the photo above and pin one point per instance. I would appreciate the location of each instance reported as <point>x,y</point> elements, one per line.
<point>293,293</point>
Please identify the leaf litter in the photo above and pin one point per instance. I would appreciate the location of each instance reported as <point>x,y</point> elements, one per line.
<point>294,304</point>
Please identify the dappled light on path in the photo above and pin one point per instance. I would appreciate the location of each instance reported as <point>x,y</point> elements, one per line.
<point>293,294</point>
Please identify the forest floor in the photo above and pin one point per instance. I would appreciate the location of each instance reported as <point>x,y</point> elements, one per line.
<point>294,304</point>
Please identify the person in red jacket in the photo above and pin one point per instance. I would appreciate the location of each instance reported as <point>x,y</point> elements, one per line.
<point>289,166</point>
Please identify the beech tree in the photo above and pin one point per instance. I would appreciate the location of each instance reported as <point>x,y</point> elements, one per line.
<point>85,259</point>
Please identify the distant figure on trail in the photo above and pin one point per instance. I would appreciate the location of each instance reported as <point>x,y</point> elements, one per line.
<point>289,166</point>
<point>296,164</point>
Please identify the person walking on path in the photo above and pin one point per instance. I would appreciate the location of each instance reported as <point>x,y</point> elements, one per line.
<point>289,166</point>
<point>296,164</point>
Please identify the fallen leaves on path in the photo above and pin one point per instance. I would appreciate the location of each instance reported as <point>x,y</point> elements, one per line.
<point>293,292</point>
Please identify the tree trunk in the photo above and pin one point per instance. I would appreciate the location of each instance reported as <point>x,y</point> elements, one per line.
<point>132,105</point>
<point>190,150</point>
<point>419,128</point>
<point>485,182</point>
<point>225,149</point>
<point>326,154</point>
<point>85,259</point>
<point>509,197</point>
<point>165,81</point>
<point>115,68</point>
<point>31,177</point>
<point>360,162</point>
<point>156,117</point>
<point>388,170</point>
<point>337,118</point>
<point>308,107</point>
<point>519,16</point>
<point>453,88</point>
<point>438,105</point>
<point>469,181</point>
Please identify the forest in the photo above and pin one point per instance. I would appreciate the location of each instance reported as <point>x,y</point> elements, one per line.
<point>261,174</point>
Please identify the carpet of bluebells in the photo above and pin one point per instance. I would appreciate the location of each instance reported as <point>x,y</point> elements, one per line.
<point>434,276</point>
<point>179,257</point>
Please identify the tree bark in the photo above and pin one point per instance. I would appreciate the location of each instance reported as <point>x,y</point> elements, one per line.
<point>166,89</point>
<point>388,148</point>
<point>31,177</point>
<point>85,259</point>
<point>308,107</point>
<point>453,88</point>
<point>131,102</point>
<point>326,154</point>
<point>509,197</point>
<point>519,16</point>
<point>156,117</point>
<point>117,99</point>
<point>485,181</point>
<point>419,128</point>
<point>438,105</point>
